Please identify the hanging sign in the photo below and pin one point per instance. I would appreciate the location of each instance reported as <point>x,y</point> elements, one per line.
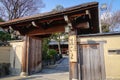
<point>73,48</point>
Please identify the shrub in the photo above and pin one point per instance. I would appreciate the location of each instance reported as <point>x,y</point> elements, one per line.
<point>4,36</point>
<point>45,47</point>
<point>52,53</point>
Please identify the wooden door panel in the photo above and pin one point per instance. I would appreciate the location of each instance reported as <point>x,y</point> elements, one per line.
<point>85,63</point>
<point>95,62</point>
<point>90,62</point>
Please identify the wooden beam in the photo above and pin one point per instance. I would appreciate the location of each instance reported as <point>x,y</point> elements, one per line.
<point>53,19</point>
<point>51,30</point>
<point>77,15</point>
<point>38,21</point>
<point>49,20</point>
<point>34,37</point>
<point>73,55</point>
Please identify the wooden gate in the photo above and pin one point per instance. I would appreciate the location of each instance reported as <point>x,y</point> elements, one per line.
<point>35,56</point>
<point>91,62</point>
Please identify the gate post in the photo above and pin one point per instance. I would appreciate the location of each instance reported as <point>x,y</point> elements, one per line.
<point>24,71</point>
<point>73,57</point>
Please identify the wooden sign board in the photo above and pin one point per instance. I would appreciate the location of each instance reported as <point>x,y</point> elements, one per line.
<point>73,48</point>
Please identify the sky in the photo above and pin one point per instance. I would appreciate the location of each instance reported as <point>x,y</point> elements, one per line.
<point>51,4</point>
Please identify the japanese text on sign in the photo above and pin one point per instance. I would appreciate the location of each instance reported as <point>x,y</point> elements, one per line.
<point>73,48</point>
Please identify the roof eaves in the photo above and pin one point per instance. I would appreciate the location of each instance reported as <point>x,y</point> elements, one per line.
<point>47,14</point>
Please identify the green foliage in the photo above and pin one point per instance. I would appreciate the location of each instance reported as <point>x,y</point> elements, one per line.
<point>52,52</point>
<point>47,53</point>
<point>45,48</point>
<point>4,36</point>
<point>45,44</point>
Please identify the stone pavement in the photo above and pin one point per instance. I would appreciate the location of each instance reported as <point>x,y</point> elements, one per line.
<point>56,72</point>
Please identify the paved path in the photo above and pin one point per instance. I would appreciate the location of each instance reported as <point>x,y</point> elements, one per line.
<point>57,72</point>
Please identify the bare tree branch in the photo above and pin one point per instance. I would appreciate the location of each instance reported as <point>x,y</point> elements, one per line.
<point>12,9</point>
<point>19,8</point>
<point>110,23</point>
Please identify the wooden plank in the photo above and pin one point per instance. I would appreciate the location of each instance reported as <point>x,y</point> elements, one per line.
<point>30,57</point>
<point>92,58</point>
<point>88,64</point>
<point>37,52</point>
<point>41,31</point>
<point>76,15</point>
<point>84,62</point>
<point>40,53</point>
<point>102,61</point>
<point>79,59</point>
<point>95,62</point>
<point>34,54</point>
<point>53,19</point>
<point>99,62</point>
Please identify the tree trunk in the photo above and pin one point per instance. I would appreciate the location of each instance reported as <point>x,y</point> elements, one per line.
<point>59,48</point>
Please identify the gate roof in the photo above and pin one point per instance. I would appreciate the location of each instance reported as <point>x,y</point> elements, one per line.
<point>49,22</point>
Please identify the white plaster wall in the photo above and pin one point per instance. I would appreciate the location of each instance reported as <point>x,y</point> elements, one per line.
<point>16,57</point>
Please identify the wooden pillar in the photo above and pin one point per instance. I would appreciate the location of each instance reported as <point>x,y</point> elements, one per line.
<point>73,55</point>
<point>25,56</point>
